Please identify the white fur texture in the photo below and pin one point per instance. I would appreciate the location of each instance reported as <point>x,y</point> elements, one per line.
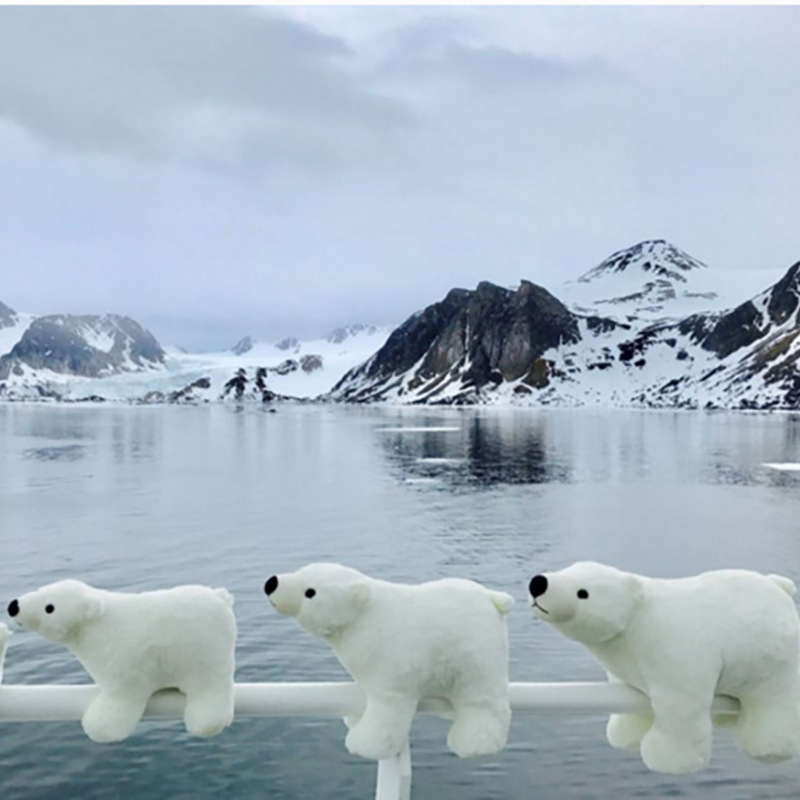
<point>136,644</point>
<point>681,641</point>
<point>401,643</point>
<point>5,635</point>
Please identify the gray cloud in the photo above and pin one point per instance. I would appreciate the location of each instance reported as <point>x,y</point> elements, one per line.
<point>164,81</point>
<point>216,171</point>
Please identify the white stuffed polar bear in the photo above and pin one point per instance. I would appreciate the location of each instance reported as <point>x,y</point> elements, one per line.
<point>136,644</point>
<point>681,641</point>
<point>401,643</point>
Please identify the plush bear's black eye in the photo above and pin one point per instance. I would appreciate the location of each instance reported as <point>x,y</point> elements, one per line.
<point>583,594</point>
<point>310,593</point>
<point>49,608</point>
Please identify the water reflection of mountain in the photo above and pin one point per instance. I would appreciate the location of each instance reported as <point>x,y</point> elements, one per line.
<point>483,450</point>
<point>68,452</point>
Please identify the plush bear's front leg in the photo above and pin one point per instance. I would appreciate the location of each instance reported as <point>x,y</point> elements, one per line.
<point>479,730</point>
<point>382,730</point>
<point>679,740</point>
<point>112,716</point>
<point>626,731</point>
<point>769,723</point>
<point>209,710</point>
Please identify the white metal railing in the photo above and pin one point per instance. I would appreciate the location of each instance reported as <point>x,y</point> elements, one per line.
<point>53,703</point>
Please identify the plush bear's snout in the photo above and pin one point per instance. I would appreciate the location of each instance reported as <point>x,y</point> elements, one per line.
<point>13,608</point>
<point>271,585</point>
<point>538,585</point>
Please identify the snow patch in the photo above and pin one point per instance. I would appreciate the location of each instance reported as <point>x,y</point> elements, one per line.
<point>11,334</point>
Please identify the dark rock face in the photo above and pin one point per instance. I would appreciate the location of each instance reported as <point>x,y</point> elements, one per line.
<point>62,343</point>
<point>737,329</point>
<point>241,386</point>
<point>286,367</point>
<point>509,331</point>
<point>7,316</point>
<point>478,338</point>
<point>310,362</point>
<point>784,296</point>
<point>745,325</point>
<point>412,340</point>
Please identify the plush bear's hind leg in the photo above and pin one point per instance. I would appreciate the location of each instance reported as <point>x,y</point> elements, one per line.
<point>209,709</point>
<point>382,730</point>
<point>769,721</point>
<point>112,716</point>
<point>479,729</point>
<point>679,740</point>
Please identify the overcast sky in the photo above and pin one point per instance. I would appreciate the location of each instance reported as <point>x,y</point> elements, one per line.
<point>221,171</point>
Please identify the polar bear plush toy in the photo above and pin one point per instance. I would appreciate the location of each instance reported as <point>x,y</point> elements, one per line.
<point>136,644</point>
<point>681,641</point>
<point>401,643</point>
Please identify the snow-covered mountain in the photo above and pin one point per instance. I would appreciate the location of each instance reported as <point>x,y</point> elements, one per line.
<point>46,350</point>
<point>651,280</point>
<point>627,342</point>
<point>250,370</point>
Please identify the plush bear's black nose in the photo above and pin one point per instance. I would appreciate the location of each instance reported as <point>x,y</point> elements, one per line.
<point>538,585</point>
<point>13,608</point>
<point>271,585</point>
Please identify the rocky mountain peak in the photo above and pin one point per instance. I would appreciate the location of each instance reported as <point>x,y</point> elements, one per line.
<point>783,297</point>
<point>339,335</point>
<point>244,345</point>
<point>653,257</point>
<point>471,339</point>
<point>289,343</point>
<point>90,345</point>
<point>649,281</point>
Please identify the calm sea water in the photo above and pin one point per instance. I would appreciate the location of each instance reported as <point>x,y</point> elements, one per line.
<point>141,498</point>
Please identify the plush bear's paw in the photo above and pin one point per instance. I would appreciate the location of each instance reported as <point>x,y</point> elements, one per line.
<point>208,715</point>
<point>374,743</point>
<point>352,720</point>
<point>105,723</point>
<point>206,727</point>
<point>472,743</point>
<point>478,732</point>
<point>626,731</point>
<point>103,732</point>
<point>774,741</point>
<point>662,753</point>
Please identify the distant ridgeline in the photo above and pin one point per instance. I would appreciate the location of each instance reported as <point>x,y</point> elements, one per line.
<point>645,328</point>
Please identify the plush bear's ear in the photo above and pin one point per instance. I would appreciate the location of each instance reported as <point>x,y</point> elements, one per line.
<point>361,593</point>
<point>94,607</point>
<point>636,588</point>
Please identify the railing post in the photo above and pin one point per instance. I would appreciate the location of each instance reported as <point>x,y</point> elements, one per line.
<point>394,777</point>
